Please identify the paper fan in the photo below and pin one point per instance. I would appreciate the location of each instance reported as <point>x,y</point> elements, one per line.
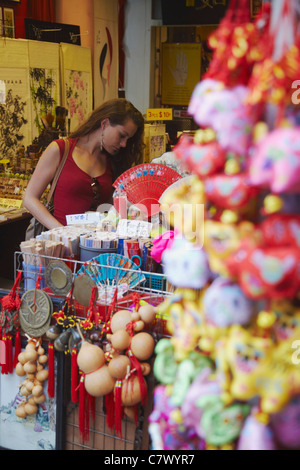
<point>145,183</point>
<point>109,271</point>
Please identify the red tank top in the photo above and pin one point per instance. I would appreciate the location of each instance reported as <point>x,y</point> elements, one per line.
<point>73,192</point>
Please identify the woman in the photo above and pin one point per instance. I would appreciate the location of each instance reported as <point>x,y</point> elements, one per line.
<point>102,148</point>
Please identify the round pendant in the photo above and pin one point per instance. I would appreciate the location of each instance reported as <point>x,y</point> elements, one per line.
<point>36,308</point>
<point>82,291</point>
<point>58,277</point>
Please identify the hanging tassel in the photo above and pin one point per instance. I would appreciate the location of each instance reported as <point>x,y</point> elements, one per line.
<point>37,286</point>
<point>118,408</point>
<point>135,364</point>
<point>2,352</point>
<point>4,360</point>
<point>110,412</point>
<point>17,348</point>
<point>51,372</point>
<point>9,354</point>
<point>82,410</point>
<point>11,301</point>
<point>136,300</point>
<point>74,377</point>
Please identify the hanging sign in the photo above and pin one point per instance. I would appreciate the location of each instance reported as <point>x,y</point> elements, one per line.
<point>159,114</point>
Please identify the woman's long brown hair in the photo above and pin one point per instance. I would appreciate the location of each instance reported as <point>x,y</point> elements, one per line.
<point>118,111</point>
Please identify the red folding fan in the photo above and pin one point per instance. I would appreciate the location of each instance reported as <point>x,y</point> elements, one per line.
<point>145,183</point>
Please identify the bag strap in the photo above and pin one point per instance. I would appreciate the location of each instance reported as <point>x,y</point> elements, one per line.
<point>59,170</point>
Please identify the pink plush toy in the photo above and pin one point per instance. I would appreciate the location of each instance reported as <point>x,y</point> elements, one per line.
<point>276,162</point>
<point>224,110</point>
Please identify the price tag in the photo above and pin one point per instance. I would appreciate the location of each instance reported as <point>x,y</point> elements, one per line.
<point>86,218</point>
<point>6,202</point>
<point>134,228</point>
<point>160,114</point>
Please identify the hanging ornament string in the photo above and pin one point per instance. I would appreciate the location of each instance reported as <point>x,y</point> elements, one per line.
<point>74,376</point>
<point>118,409</point>
<point>12,300</point>
<point>10,303</point>
<point>92,318</point>
<point>37,286</point>
<point>18,303</point>
<point>273,76</point>
<point>51,371</point>
<point>230,44</point>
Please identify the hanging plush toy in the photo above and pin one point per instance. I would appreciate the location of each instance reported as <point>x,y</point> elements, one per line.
<point>185,264</point>
<point>31,365</point>
<point>275,164</point>
<point>240,358</point>
<point>224,304</point>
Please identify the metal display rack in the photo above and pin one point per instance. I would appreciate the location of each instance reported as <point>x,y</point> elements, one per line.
<point>153,289</point>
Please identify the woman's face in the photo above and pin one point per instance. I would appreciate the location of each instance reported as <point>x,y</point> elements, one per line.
<point>115,137</point>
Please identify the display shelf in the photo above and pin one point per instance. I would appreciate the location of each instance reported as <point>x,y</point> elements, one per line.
<point>135,434</point>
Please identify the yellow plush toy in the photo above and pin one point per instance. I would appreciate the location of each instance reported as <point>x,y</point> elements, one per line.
<point>279,378</point>
<point>240,358</point>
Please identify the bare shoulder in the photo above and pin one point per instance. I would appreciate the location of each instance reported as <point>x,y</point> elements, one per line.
<point>50,156</point>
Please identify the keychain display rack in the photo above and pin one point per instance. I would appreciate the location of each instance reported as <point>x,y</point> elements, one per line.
<point>152,289</point>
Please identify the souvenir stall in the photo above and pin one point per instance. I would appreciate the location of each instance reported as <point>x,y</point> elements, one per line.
<point>171,322</point>
<point>228,375</point>
<point>79,325</point>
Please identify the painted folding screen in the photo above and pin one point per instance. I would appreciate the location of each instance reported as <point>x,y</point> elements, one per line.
<point>44,79</point>
<point>77,82</point>
<point>15,110</point>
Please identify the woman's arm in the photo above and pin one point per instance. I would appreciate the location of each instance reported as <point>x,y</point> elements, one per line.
<point>42,176</point>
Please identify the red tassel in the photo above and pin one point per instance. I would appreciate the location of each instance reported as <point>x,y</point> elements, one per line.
<point>118,408</point>
<point>9,355</point>
<point>17,348</point>
<point>110,414</point>
<point>2,352</point>
<point>4,363</point>
<point>7,368</point>
<point>51,372</point>
<point>82,410</point>
<point>74,377</point>
<point>135,364</point>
